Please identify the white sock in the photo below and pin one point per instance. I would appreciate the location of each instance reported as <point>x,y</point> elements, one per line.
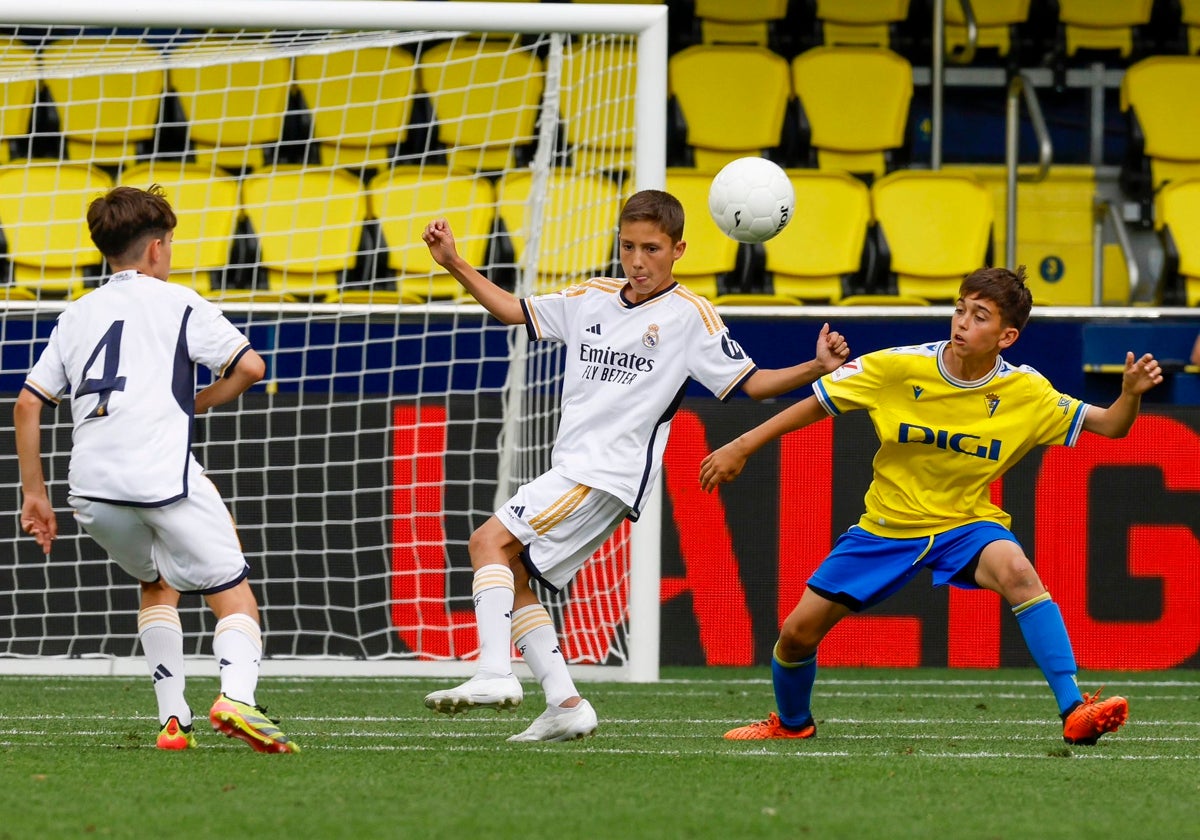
<point>535,638</point>
<point>493,591</point>
<point>161,635</point>
<point>237,646</point>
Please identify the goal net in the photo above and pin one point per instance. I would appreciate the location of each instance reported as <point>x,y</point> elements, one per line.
<point>304,146</point>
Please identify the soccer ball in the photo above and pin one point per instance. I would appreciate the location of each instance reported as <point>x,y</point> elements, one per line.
<point>751,199</point>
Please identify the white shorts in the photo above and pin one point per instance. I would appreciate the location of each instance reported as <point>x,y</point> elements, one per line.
<point>191,544</point>
<point>561,523</point>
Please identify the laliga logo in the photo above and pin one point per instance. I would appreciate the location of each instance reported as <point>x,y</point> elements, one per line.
<point>951,441</point>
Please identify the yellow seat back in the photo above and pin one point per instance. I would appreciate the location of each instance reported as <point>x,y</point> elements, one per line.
<point>405,202</point>
<point>938,228</point>
<point>579,225</point>
<point>361,102</point>
<point>856,100</point>
<point>1102,24</point>
<point>18,91</point>
<point>864,23</point>
<point>234,108</point>
<point>743,22</point>
<point>709,253</point>
<point>207,208</point>
<point>993,19</point>
<point>309,224</point>
<point>105,114</point>
<point>43,212</point>
<point>824,240</point>
<point>1164,93</point>
<point>726,117</point>
<point>485,99</point>
<point>1177,210</point>
<point>595,71</point>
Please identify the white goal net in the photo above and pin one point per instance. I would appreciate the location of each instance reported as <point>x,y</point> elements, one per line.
<point>304,145</point>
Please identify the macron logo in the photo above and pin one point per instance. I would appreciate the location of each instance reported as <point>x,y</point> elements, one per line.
<point>517,510</point>
<point>594,329</point>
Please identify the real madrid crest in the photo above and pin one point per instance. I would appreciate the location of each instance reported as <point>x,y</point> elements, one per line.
<point>650,339</point>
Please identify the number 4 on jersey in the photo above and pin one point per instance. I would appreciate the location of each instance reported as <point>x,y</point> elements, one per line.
<point>110,345</point>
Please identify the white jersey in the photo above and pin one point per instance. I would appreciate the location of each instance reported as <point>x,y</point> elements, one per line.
<point>127,354</point>
<point>626,371</point>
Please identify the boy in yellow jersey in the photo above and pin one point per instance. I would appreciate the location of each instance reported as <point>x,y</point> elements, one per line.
<point>951,417</point>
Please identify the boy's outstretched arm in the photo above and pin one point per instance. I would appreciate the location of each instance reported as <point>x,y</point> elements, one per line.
<point>832,351</point>
<point>726,463</point>
<point>440,240</point>
<point>1115,421</point>
<point>37,515</point>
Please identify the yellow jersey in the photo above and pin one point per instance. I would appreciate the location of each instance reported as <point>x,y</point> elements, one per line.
<point>944,440</point>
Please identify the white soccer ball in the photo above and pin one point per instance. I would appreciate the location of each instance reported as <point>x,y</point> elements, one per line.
<point>751,199</point>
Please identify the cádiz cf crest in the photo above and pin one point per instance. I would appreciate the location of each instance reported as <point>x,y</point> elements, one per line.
<point>993,402</point>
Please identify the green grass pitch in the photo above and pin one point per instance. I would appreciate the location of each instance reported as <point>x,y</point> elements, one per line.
<point>920,754</point>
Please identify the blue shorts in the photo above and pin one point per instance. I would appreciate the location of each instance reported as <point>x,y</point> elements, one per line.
<point>862,569</point>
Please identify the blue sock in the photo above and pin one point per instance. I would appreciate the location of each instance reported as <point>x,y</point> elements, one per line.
<point>793,683</point>
<point>1045,634</point>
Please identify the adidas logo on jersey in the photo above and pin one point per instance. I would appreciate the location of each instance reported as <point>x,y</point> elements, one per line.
<point>517,510</point>
<point>594,329</point>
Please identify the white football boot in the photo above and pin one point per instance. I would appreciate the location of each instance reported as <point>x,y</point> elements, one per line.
<point>561,724</point>
<point>497,693</point>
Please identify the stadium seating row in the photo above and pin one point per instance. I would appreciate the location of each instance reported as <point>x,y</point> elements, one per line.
<point>304,233</point>
<point>908,238</point>
<point>318,233</point>
<point>233,110</point>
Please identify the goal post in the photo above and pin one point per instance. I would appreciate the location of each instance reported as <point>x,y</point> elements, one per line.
<point>395,415</point>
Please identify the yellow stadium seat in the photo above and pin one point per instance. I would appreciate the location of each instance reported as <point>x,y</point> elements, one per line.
<point>235,108</point>
<point>43,213</point>
<point>578,232</point>
<point>995,20</point>
<point>728,116</point>
<point>485,99</point>
<point>309,224</point>
<point>1190,17</point>
<point>855,101</point>
<point>743,22</point>
<point>17,93</point>
<point>934,227</point>
<point>361,102</point>
<point>1177,220</point>
<point>106,115</point>
<point>1102,24</point>
<point>404,202</point>
<point>1163,95</point>
<point>861,22</point>
<point>594,71</point>
<point>817,255</point>
<point>207,209</point>
<point>710,255</point>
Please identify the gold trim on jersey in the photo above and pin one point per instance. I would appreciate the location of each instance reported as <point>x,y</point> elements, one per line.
<point>41,391</point>
<point>232,356</point>
<point>737,380</point>
<point>563,507</point>
<point>708,313</point>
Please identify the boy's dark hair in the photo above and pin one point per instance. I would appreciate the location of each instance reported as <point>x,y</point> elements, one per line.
<point>661,208</point>
<point>1004,288</point>
<point>123,219</point>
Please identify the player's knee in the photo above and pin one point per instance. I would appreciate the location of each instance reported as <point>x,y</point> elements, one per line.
<point>797,640</point>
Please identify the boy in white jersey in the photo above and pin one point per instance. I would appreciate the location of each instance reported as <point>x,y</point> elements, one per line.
<point>951,417</point>
<point>632,345</point>
<point>127,353</point>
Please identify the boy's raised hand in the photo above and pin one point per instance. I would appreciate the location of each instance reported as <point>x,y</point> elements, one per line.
<point>440,240</point>
<point>1141,374</point>
<point>832,349</point>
